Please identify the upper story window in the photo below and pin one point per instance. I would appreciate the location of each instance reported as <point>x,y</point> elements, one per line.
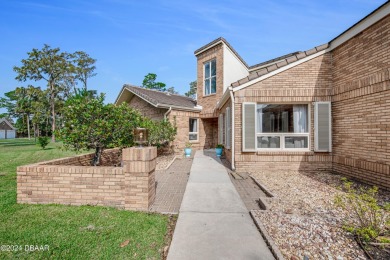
<point>210,77</point>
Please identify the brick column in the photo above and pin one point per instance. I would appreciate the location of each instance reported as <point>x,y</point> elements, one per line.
<point>138,168</point>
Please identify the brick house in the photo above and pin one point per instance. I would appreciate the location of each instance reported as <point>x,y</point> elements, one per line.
<point>327,108</point>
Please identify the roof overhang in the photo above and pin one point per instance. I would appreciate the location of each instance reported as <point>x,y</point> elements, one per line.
<point>126,95</point>
<point>225,97</point>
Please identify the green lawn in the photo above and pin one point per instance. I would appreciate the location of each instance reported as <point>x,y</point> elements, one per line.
<point>71,232</point>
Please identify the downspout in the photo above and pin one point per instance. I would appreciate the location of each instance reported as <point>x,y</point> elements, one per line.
<point>232,98</point>
<point>166,113</point>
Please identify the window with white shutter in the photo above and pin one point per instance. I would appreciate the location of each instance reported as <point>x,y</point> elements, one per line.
<point>248,127</point>
<point>323,127</point>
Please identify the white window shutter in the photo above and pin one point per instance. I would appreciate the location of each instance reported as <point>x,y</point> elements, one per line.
<point>228,128</point>
<point>220,129</point>
<point>322,127</point>
<point>248,127</point>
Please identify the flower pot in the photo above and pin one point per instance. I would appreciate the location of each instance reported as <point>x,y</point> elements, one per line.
<point>219,151</point>
<point>187,152</point>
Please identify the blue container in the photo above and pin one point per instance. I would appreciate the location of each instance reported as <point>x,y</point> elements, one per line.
<point>219,151</point>
<point>187,152</point>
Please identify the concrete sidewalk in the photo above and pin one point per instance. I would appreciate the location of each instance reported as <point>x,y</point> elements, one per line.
<point>213,221</point>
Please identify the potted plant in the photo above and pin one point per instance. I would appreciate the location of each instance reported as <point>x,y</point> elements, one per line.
<point>219,149</point>
<point>188,149</point>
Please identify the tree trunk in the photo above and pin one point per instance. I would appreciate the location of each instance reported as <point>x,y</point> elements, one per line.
<point>28,126</point>
<point>97,157</point>
<point>53,114</point>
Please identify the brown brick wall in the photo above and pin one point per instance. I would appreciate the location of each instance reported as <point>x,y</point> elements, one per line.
<point>110,157</point>
<point>361,105</point>
<point>304,83</point>
<point>147,109</point>
<point>209,102</point>
<point>131,186</point>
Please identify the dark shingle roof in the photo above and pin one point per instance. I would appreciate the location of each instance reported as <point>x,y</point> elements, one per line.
<point>283,61</point>
<point>158,98</point>
<point>268,62</point>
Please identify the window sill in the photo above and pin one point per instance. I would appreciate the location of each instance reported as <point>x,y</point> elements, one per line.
<point>209,95</point>
<point>284,152</point>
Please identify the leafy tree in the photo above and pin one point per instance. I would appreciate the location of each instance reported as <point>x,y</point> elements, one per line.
<point>149,82</point>
<point>193,88</point>
<point>9,102</point>
<point>161,133</point>
<point>50,65</point>
<point>84,67</point>
<point>172,90</point>
<point>91,124</point>
<point>60,71</point>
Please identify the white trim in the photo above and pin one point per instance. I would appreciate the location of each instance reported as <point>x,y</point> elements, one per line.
<point>273,73</point>
<point>211,46</point>
<point>282,142</point>
<point>209,78</point>
<point>283,135</point>
<point>197,130</point>
<point>316,126</point>
<point>224,98</point>
<point>196,110</point>
<point>361,26</point>
<point>232,137</point>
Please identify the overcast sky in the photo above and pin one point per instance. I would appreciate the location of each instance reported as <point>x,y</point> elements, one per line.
<point>132,38</point>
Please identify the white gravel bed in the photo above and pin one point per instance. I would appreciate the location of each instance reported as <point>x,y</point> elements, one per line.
<point>303,220</point>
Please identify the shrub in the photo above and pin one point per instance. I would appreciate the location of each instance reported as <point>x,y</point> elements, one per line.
<point>220,146</point>
<point>43,141</point>
<point>365,217</point>
<point>161,133</point>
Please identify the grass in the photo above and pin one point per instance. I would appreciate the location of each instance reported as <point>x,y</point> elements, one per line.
<point>70,232</point>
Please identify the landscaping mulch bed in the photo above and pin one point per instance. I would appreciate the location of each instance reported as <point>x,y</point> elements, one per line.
<point>303,220</point>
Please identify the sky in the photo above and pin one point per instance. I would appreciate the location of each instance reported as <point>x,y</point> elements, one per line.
<point>131,38</point>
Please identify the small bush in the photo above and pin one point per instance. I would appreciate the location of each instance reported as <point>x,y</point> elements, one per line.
<point>365,217</point>
<point>43,141</point>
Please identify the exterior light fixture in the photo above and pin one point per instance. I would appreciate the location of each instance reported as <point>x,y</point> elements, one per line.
<point>141,136</point>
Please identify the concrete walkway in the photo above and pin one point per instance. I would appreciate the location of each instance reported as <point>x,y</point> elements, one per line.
<point>213,221</point>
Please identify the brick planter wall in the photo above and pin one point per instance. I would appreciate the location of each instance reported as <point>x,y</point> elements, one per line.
<point>130,187</point>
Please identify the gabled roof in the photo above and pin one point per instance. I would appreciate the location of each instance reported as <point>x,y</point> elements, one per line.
<point>216,42</point>
<point>278,63</point>
<point>269,62</point>
<point>7,122</point>
<point>160,99</point>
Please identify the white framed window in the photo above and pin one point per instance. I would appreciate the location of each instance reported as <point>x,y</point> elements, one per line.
<point>210,77</point>
<point>282,127</point>
<point>193,134</point>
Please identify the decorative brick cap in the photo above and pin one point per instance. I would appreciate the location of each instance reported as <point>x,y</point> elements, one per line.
<point>139,154</point>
